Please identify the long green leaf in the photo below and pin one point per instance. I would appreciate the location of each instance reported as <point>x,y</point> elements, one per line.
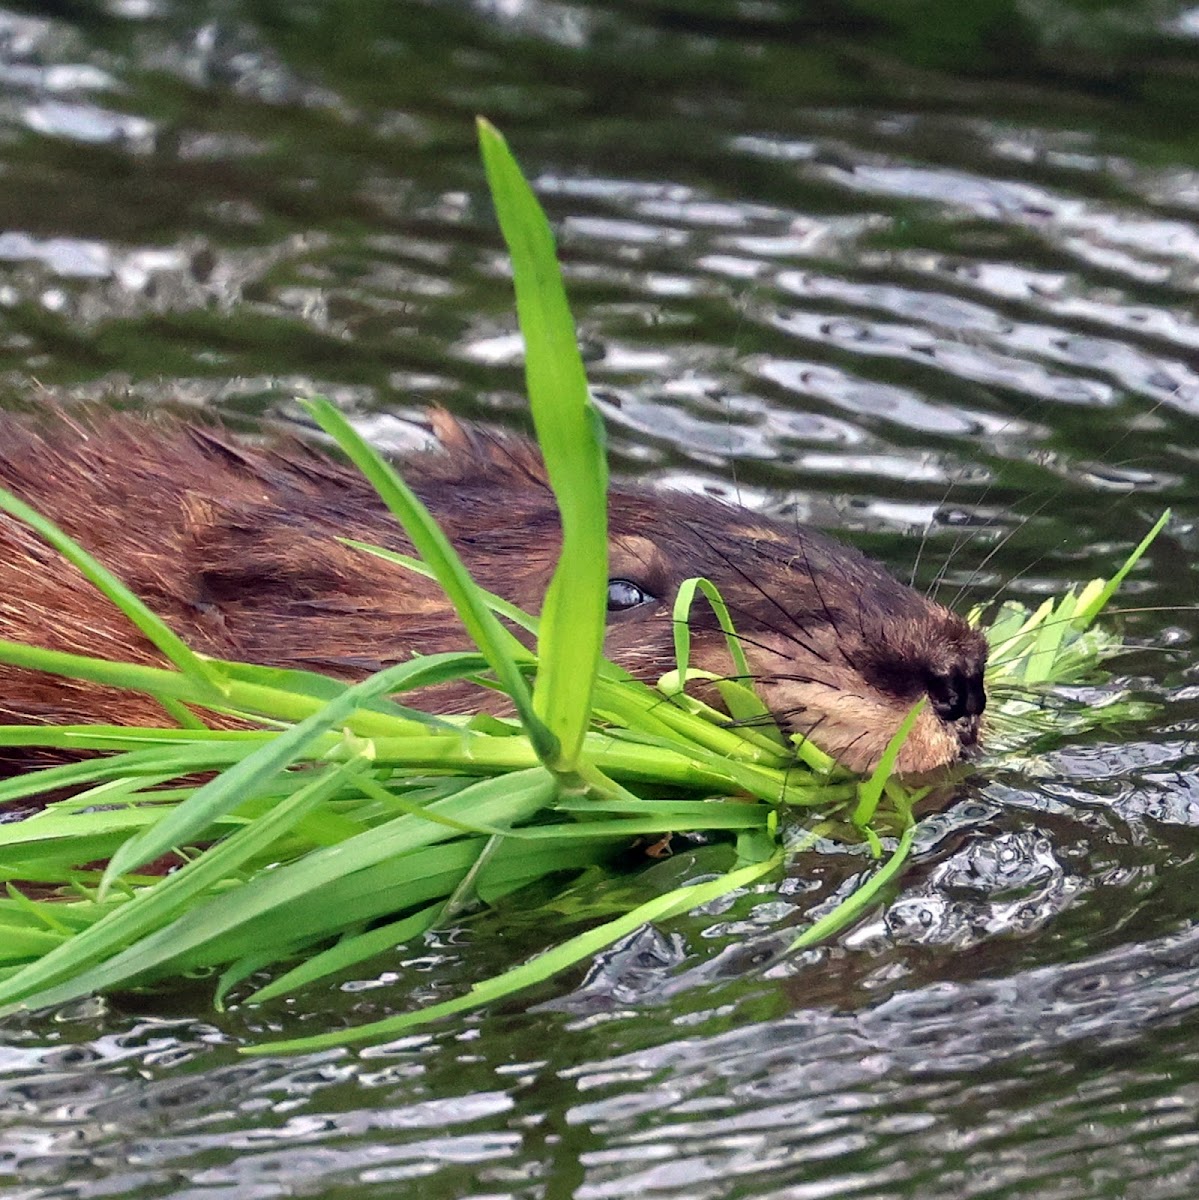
<point>570,434</point>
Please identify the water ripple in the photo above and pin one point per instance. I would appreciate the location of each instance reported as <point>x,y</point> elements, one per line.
<point>812,274</point>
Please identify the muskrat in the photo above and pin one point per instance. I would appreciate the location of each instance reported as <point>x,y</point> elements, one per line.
<point>235,546</point>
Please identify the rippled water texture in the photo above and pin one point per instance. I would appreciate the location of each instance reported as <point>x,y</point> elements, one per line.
<point>888,268</point>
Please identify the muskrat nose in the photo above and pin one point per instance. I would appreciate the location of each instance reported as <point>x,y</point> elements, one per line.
<point>955,695</point>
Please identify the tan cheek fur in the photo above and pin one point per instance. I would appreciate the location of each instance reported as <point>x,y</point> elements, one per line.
<point>849,720</point>
<point>855,728</point>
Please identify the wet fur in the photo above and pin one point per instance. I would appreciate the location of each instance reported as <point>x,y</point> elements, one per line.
<point>234,545</point>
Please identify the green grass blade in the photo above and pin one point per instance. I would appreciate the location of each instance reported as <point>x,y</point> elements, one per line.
<point>570,434</point>
<point>171,761</point>
<point>153,680</point>
<point>348,953</point>
<point>743,703</point>
<point>156,630</point>
<point>858,901</point>
<point>1087,613</point>
<point>315,916</point>
<point>1050,638</point>
<point>243,688</point>
<point>682,626</point>
<point>319,689</point>
<point>870,790</point>
<point>541,968</point>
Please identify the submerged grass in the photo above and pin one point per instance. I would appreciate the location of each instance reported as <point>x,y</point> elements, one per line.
<point>340,823</point>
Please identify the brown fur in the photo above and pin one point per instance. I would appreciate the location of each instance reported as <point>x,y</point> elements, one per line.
<point>235,547</point>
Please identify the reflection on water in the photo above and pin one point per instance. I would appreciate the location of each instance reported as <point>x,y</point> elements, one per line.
<point>928,271</point>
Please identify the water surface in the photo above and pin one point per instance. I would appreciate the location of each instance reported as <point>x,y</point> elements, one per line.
<point>916,276</point>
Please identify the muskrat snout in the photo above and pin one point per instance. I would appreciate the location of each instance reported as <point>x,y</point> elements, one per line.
<point>959,698</point>
<point>956,695</point>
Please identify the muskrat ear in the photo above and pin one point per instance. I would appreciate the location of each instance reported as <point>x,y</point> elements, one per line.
<point>487,449</point>
<point>451,432</point>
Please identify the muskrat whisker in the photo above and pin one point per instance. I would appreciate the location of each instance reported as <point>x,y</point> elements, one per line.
<point>788,678</point>
<point>1052,495</point>
<point>752,676</point>
<point>806,734</point>
<point>762,721</point>
<point>740,610</point>
<point>841,754</point>
<point>1024,570</point>
<point>846,659</point>
<point>778,717</point>
<point>816,587</point>
<point>954,480</point>
<point>1148,608</point>
<point>1046,696</point>
<point>741,637</point>
<point>788,616</point>
<point>1126,647</point>
<point>999,546</point>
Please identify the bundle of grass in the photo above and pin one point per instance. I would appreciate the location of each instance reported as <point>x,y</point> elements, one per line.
<point>336,823</point>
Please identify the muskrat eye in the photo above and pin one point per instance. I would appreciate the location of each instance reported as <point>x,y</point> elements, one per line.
<point>623,595</point>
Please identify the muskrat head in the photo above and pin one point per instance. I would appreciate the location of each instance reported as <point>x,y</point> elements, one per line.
<point>840,650</point>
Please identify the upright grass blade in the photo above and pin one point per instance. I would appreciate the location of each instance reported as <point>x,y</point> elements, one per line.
<point>1092,601</point>
<point>571,437</point>
<point>870,790</point>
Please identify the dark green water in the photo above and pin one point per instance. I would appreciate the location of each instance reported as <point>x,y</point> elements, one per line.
<point>884,266</point>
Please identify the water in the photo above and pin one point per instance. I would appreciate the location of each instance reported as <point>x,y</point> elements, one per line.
<point>883,270</point>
